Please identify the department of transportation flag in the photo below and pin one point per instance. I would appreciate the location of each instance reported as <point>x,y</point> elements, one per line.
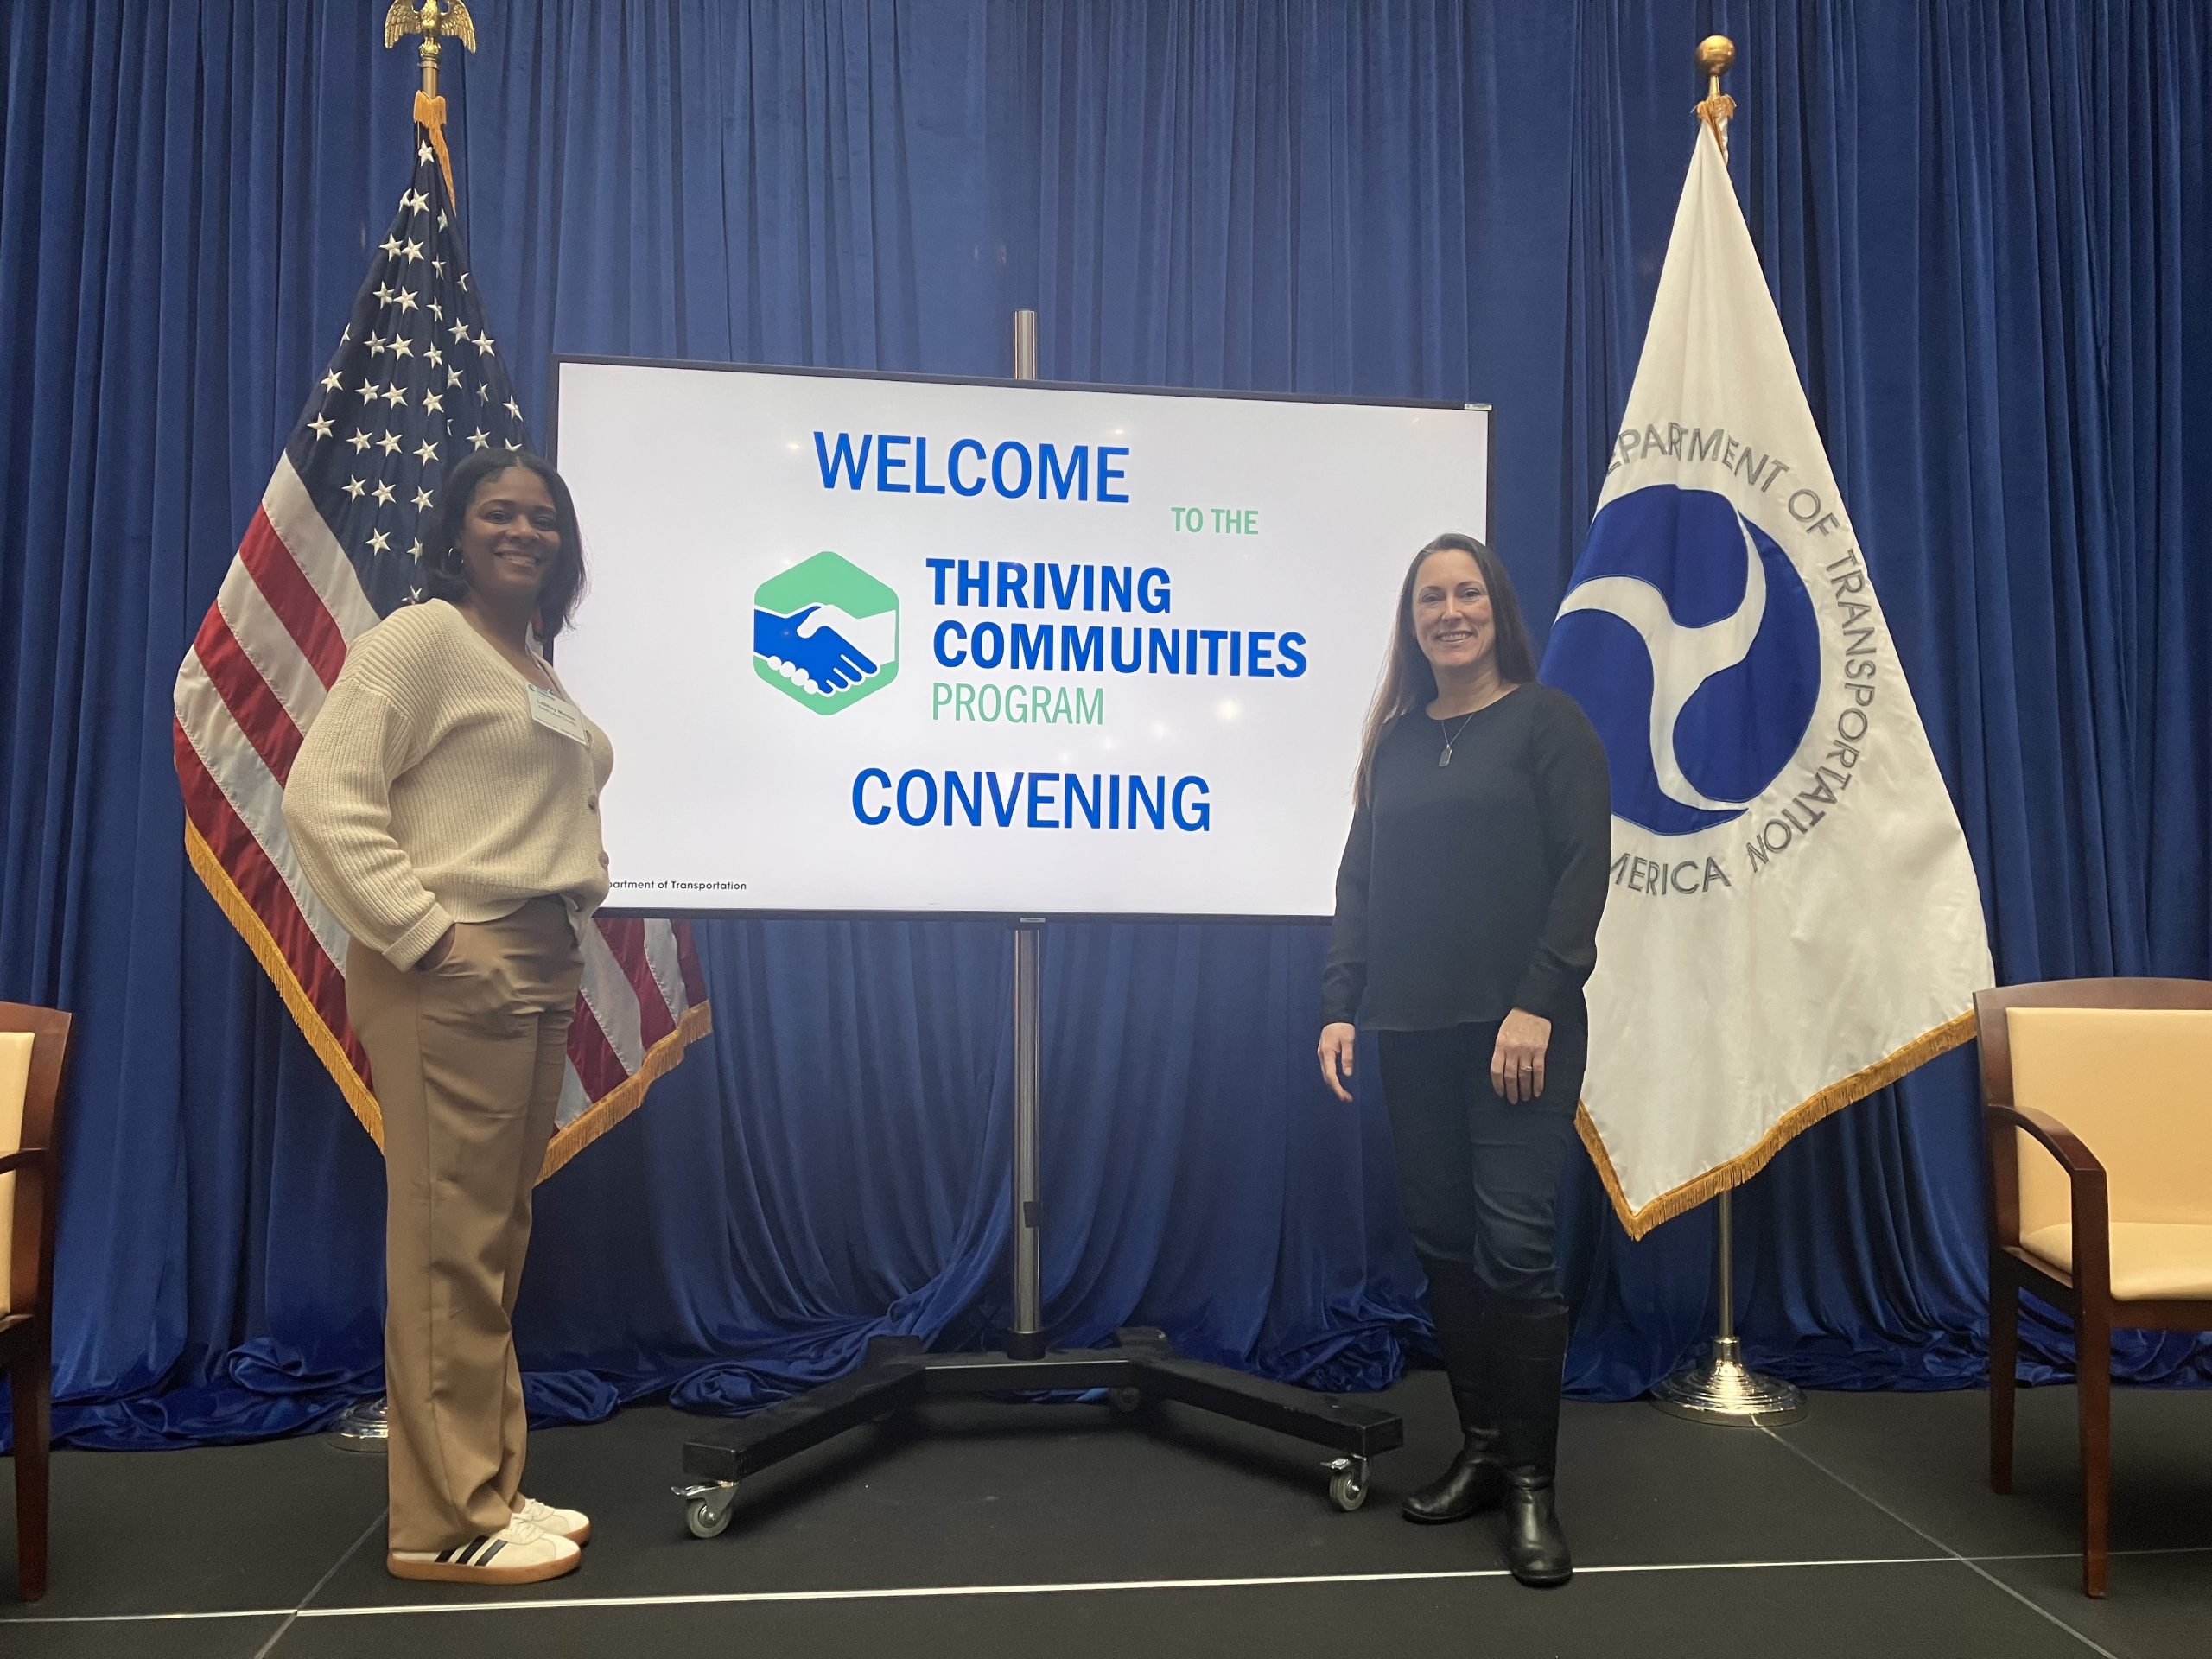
<point>416,382</point>
<point>1794,919</point>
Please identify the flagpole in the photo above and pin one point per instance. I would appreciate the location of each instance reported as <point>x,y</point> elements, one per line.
<point>365,1426</point>
<point>1722,1388</point>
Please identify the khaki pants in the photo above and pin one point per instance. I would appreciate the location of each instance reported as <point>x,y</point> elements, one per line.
<point>467,1059</point>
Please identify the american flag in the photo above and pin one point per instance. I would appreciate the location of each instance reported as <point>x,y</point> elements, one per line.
<point>416,382</point>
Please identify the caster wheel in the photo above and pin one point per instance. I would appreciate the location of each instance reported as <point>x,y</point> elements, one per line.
<point>1125,1400</point>
<point>1348,1488</point>
<point>708,1518</point>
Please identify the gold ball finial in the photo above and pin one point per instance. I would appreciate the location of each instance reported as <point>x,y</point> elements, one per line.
<point>1714,53</point>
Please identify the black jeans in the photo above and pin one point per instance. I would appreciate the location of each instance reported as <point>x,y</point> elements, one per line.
<point>1479,1177</point>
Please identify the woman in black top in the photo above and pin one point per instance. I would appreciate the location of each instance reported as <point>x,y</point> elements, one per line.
<point>1466,924</point>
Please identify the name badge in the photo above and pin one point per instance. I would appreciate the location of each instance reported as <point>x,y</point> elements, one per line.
<point>557,713</point>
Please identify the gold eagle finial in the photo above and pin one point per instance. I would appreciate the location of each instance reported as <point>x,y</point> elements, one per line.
<point>429,20</point>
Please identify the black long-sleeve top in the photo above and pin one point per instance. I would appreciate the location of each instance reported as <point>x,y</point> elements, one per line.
<point>1469,890</point>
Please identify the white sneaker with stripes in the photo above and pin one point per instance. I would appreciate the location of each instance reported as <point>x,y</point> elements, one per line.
<point>571,1524</point>
<point>519,1552</point>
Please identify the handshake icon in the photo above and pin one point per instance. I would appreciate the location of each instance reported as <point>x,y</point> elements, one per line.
<point>818,659</point>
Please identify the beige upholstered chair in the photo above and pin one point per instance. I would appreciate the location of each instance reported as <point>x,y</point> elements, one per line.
<point>2097,1105</point>
<point>33,1052</point>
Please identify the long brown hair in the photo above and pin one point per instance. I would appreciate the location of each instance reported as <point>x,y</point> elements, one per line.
<point>1408,682</point>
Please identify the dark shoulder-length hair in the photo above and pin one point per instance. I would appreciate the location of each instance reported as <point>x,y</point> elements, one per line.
<point>1408,683</point>
<point>444,574</point>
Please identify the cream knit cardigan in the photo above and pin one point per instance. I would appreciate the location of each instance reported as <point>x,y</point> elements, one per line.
<point>424,794</point>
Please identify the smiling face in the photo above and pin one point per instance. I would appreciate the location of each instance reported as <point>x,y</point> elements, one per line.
<point>1451,614</point>
<point>509,539</point>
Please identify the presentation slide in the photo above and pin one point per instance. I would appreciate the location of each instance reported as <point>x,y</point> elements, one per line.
<point>870,644</point>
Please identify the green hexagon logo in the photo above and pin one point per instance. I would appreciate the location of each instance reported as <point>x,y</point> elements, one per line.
<point>825,633</point>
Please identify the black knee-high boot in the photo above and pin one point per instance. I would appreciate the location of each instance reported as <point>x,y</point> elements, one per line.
<point>1528,1353</point>
<point>1475,1481</point>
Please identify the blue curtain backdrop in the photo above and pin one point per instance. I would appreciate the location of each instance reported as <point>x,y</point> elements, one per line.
<point>1987,224</point>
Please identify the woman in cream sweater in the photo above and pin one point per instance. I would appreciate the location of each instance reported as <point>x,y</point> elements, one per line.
<point>445,806</point>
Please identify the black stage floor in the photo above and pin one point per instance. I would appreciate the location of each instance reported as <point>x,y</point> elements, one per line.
<point>976,1528</point>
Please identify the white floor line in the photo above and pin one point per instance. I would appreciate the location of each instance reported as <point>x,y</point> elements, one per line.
<point>525,1604</point>
<point>141,1618</point>
<point>937,1593</point>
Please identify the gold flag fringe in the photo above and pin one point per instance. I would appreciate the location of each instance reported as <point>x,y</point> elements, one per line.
<point>626,1096</point>
<point>1802,1116</point>
<point>255,933</point>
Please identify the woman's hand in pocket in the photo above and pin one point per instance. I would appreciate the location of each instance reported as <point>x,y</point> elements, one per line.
<point>436,955</point>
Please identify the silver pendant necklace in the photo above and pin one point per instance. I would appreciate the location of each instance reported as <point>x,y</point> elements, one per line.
<point>1444,758</point>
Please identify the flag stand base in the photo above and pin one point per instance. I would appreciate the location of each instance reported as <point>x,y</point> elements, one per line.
<point>1723,1389</point>
<point>364,1426</point>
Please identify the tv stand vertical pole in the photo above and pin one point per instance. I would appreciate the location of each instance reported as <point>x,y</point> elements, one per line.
<point>1027,1338</point>
<point>1027,1341</point>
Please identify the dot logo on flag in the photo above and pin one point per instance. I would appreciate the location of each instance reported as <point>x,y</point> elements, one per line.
<point>825,633</point>
<point>1689,640</point>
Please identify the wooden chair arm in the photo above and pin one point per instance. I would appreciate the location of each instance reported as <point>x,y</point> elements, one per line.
<point>2091,1203</point>
<point>2060,1142</point>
